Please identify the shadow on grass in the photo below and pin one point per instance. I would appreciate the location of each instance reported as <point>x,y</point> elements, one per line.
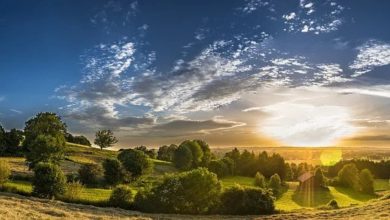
<point>354,195</point>
<point>312,197</point>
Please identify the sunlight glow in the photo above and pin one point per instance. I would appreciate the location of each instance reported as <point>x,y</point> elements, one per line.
<point>306,125</point>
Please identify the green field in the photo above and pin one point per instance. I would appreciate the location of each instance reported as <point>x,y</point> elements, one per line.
<point>233,180</point>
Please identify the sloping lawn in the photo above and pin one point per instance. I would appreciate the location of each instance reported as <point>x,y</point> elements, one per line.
<point>231,181</point>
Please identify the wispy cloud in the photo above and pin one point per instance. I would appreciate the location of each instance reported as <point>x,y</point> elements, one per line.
<point>371,54</point>
<point>2,98</point>
<point>16,111</point>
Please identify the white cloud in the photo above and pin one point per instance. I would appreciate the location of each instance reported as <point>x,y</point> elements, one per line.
<point>252,5</point>
<point>290,16</point>
<point>370,55</point>
<point>16,111</point>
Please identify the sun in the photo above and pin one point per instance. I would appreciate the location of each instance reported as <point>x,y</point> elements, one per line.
<point>306,125</point>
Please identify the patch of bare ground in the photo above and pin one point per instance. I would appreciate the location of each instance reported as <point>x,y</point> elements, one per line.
<point>20,207</point>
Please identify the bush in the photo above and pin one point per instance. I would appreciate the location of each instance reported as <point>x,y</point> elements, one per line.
<point>192,192</point>
<point>121,197</point>
<point>246,201</point>
<point>73,191</point>
<point>275,184</point>
<point>166,152</point>
<point>333,204</point>
<point>366,181</point>
<point>260,180</point>
<point>49,181</point>
<point>5,172</point>
<point>90,174</point>
<point>113,171</point>
<point>136,162</point>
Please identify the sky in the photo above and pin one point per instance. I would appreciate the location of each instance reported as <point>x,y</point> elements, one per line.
<point>233,73</point>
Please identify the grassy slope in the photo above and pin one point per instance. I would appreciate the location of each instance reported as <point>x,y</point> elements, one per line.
<point>20,207</point>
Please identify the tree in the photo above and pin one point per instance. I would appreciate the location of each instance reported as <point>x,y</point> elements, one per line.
<point>275,184</point>
<point>44,123</point>
<point>105,138</point>
<point>13,137</point>
<point>150,152</point>
<point>136,162</point>
<point>49,181</point>
<point>246,201</point>
<point>166,152</point>
<point>219,167</point>
<point>196,151</point>
<point>260,180</point>
<point>183,158</point>
<point>349,176</point>
<point>319,178</point>
<point>113,171</point>
<point>90,174</point>
<point>5,172</point>
<point>366,181</point>
<point>207,155</point>
<point>45,148</point>
<point>191,192</point>
<point>2,140</point>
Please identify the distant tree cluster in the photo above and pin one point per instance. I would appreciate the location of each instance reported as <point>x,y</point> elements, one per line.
<point>350,176</point>
<point>150,152</point>
<point>10,142</point>
<point>380,169</point>
<point>248,164</point>
<point>77,139</point>
<point>192,154</point>
<point>166,152</point>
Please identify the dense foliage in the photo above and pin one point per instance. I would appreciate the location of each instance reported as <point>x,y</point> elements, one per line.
<point>379,169</point>
<point>136,162</point>
<point>90,174</point>
<point>49,180</point>
<point>77,139</point>
<point>114,174</point>
<point>166,152</point>
<point>193,192</point>
<point>246,201</point>
<point>45,148</point>
<point>260,180</point>
<point>121,196</point>
<point>248,164</point>
<point>349,176</point>
<point>192,154</point>
<point>150,152</point>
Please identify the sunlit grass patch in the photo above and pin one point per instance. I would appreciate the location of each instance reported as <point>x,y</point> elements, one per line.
<point>231,181</point>
<point>381,185</point>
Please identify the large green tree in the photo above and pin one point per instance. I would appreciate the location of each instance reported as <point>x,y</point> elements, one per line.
<point>105,138</point>
<point>46,148</point>
<point>366,181</point>
<point>136,162</point>
<point>44,123</point>
<point>183,158</point>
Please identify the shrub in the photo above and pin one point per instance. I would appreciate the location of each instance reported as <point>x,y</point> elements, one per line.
<point>333,204</point>
<point>73,191</point>
<point>90,174</point>
<point>192,192</point>
<point>49,181</point>
<point>113,171</point>
<point>5,171</point>
<point>166,152</point>
<point>246,201</point>
<point>366,181</point>
<point>260,180</point>
<point>136,162</point>
<point>121,197</point>
<point>275,184</point>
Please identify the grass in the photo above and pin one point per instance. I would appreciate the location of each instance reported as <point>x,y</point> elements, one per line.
<point>231,181</point>
<point>285,202</point>
<point>382,185</point>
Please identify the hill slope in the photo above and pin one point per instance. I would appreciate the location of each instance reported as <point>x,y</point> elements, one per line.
<point>20,207</point>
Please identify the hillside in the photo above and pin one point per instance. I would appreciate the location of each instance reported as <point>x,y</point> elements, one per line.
<point>20,207</point>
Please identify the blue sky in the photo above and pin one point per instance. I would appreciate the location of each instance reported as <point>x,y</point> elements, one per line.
<point>235,73</point>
